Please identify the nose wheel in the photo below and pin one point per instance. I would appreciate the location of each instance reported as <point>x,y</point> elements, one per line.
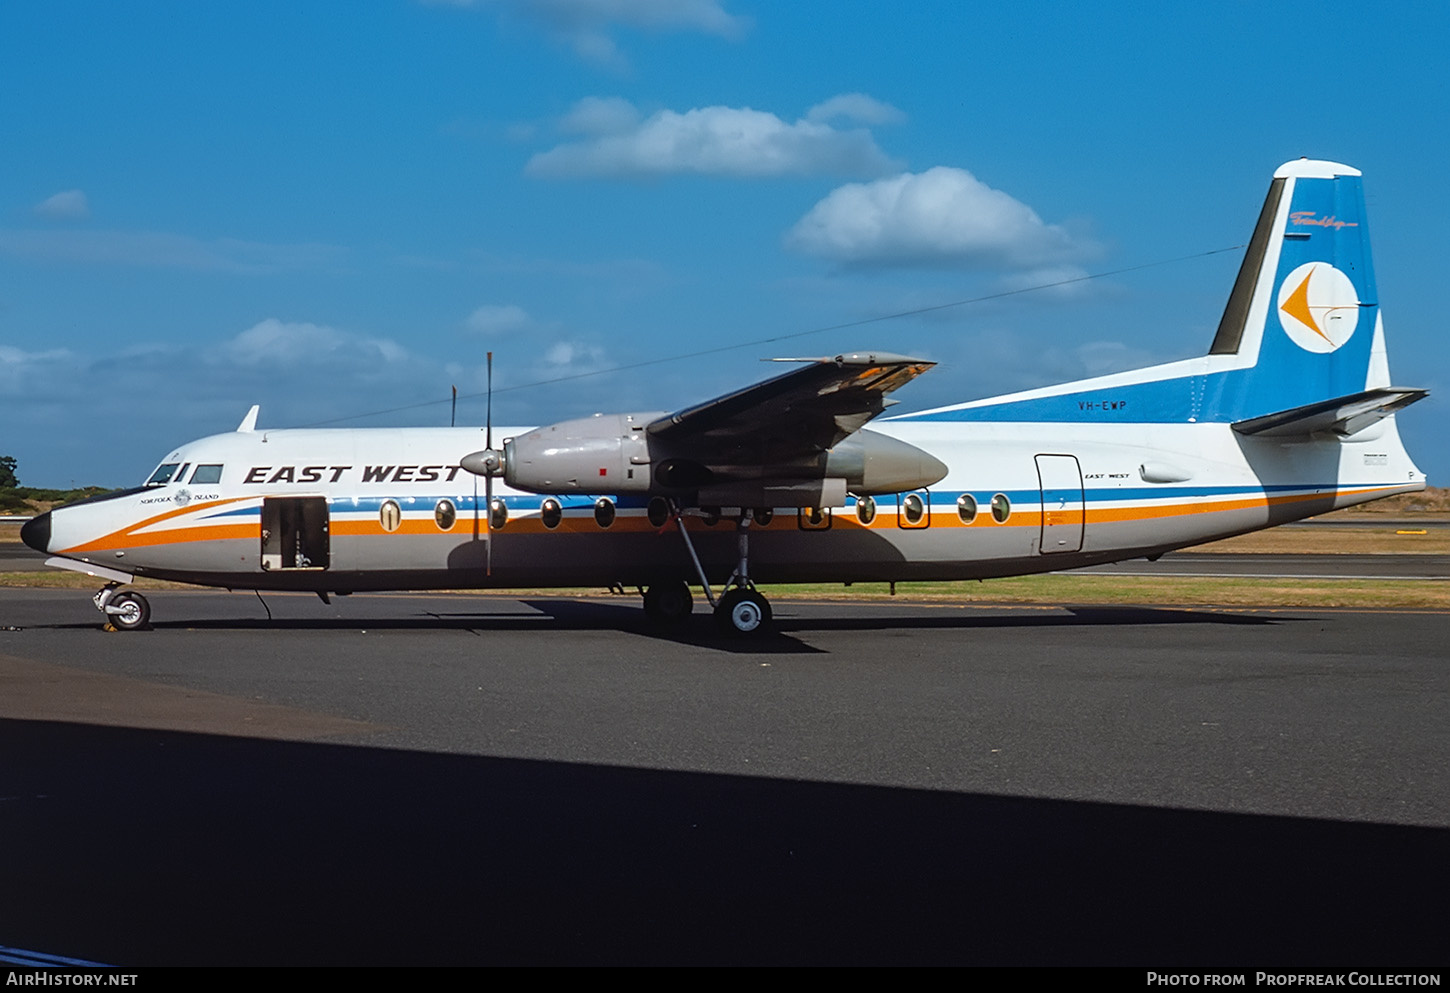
<point>124,611</point>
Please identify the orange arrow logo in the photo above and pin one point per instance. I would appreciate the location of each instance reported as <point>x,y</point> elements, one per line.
<point>1297,307</point>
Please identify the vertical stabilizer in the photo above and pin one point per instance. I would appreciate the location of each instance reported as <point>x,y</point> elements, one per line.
<point>1303,314</point>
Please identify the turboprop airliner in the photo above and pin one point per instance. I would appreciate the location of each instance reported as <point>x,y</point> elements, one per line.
<point>1290,414</point>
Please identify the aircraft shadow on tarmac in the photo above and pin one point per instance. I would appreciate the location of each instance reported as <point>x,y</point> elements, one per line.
<point>700,631</point>
<point>169,848</point>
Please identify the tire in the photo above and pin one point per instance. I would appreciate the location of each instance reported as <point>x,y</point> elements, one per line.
<point>743,612</point>
<point>668,603</point>
<point>129,612</point>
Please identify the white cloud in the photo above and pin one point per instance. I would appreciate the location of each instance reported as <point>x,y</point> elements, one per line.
<point>574,356</point>
<point>587,25</point>
<point>941,217</point>
<point>19,367</point>
<point>1099,358</point>
<point>273,342</point>
<point>600,115</point>
<point>164,250</point>
<point>69,205</point>
<point>725,141</point>
<point>498,319</point>
<point>855,107</point>
<point>1052,282</point>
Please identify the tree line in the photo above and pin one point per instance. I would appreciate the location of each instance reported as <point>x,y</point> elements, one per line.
<point>17,499</point>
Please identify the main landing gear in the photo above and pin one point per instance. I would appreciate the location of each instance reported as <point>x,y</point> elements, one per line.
<point>740,609</point>
<point>124,611</point>
<point>668,603</point>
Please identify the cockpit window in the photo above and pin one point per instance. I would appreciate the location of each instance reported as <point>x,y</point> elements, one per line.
<point>163,475</point>
<point>206,474</point>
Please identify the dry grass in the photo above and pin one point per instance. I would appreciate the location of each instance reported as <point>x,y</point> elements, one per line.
<point>1057,590</point>
<point>1328,540</point>
<point>1432,499</point>
<point>1085,588</point>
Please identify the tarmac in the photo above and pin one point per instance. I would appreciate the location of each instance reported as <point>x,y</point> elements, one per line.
<point>436,779</point>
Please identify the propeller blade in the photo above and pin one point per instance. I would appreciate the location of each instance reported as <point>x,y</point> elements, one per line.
<point>488,479</point>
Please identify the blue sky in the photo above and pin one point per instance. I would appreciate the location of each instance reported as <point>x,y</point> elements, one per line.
<point>337,209</point>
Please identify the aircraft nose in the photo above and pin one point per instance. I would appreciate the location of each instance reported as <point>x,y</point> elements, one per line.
<point>36,532</point>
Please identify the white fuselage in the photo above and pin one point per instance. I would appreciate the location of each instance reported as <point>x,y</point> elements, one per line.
<point>343,510</point>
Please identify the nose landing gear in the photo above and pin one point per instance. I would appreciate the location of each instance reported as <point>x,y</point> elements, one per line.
<point>126,611</point>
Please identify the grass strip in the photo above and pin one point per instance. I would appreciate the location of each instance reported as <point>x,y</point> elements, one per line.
<point>1411,594</point>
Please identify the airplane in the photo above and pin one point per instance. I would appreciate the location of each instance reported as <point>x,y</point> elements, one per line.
<point>1290,414</point>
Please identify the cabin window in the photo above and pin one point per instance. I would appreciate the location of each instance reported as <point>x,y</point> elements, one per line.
<point>445,514</point>
<point>551,513</point>
<point>163,474</point>
<point>1001,508</point>
<point>206,474</point>
<point>913,511</point>
<point>604,512</point>
<point>498,514</point>
<point>658,512</point>
<point>814,518</point>
<point>764,515</point>
<point>865,509</point>
<point>967,508</point>
<point>390,516</point>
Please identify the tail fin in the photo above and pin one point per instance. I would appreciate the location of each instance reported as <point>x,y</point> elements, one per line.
<point>1302,328</point>
<point>1303,317</point>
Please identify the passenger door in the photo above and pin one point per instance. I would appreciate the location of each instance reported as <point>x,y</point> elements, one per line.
<point>295,533</point>
<point>1063,513</point>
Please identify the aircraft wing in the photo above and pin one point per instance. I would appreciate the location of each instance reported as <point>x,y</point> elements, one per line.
<point>796,415</point>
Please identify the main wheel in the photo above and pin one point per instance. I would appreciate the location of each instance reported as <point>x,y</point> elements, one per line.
<point>743,611</point>
<point>668,603</point>
<point>128,612</point>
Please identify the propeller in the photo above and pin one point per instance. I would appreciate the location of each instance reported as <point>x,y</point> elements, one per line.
<point>487,463</point>
<point>491,463</point>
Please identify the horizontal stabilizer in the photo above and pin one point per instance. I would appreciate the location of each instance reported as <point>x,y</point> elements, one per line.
<point>1343,415</point>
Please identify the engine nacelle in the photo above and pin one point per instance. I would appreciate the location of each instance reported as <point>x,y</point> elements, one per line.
<point>606,453</point>
<point>874,463</point>
<point>613,453</point>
